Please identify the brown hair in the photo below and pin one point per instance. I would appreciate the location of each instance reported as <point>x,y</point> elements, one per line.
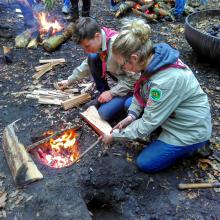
<point>134,37</point>
<point>85,28</point>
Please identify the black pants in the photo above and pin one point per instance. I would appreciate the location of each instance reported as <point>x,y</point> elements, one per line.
<point>85,8</point>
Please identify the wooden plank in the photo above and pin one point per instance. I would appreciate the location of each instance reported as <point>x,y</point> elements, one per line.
<point>92,116</point>
<point>76,101</point>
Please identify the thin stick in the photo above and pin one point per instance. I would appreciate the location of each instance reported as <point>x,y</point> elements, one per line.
<point>198,185</point>
<point>86,151</point>
<point>32,146</point>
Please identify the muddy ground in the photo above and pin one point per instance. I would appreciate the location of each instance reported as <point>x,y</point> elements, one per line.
<point>106,181</point>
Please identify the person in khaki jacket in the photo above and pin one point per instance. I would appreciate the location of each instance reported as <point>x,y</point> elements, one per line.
<point>97,42</point>
<point>166,95</point>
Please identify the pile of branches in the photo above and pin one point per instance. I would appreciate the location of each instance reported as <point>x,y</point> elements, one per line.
<point>152,10</point>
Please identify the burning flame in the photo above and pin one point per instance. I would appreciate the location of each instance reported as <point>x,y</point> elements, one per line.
<point>59,152</point>
<point>137,6</point>
<point>45,25</point>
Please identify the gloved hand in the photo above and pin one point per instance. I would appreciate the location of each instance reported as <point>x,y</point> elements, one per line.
<point>124,123</point>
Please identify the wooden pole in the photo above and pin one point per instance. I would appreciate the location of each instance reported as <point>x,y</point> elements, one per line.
<point>198,185</point>
<point>32,146</point>
<point>86,151</point>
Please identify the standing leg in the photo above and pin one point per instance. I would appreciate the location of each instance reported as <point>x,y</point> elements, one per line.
<point>95,65</point>
<point>179,7</point>
<point>86,8</point>
<point>66,6</point>
<point>74,10</point>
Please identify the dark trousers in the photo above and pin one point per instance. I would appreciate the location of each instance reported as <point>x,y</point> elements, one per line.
<point>85,8</point>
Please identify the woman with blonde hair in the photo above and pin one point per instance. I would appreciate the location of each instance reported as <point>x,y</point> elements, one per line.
<point>166,95</point>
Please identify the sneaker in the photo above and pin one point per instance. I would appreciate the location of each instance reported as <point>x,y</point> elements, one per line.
<point>65,9</point>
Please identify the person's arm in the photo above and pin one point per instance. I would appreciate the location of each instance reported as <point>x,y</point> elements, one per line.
<point>79,72</point>
<point>125,84</point>
<point>154,114</point>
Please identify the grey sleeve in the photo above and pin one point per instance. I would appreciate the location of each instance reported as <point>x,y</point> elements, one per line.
<point>79,72</point>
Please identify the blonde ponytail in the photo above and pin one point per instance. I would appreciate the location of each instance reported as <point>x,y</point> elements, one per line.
<point>134,37</point>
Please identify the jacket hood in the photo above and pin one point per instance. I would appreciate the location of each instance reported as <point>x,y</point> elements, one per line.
<point>163,55</point>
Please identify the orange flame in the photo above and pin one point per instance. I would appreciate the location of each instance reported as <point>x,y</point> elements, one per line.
<point>137,6</point>
<point>59,152</point>
<point>46,25</point>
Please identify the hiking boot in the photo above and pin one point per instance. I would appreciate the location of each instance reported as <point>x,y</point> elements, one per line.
<point>205,151</point>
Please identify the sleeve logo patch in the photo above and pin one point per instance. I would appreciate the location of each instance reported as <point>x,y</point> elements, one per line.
<point>155,94</point>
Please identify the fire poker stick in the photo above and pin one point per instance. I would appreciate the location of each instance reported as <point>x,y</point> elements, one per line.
<point>86,151</point>
<point>198,185</point>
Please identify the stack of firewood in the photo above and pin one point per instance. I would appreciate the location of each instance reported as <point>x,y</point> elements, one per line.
<point>57,97</point>
<point>152,10</point>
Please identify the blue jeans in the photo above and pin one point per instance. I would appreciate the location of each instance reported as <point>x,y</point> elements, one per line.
<point>110,109</point>
<point>159,155</point>
<point>66,3</point>
<point>179,7</point>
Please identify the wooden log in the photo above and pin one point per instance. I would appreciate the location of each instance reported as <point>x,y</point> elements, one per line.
<point>92,116</point>
<point>60,60</point>
<point>7,51</point>
<point>124,7</point>
<point>198,185</point>
<point>76,101</point>
<point>22,40</point>
<point>57,133</point>
<point>149,17</point>
<point>52,43</point>
<point>23,169</point>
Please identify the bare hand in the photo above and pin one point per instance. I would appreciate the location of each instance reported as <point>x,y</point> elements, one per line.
<point>63,84</point>
<point>105,97</point>
<point>123,124</point>
<point>106,138</point>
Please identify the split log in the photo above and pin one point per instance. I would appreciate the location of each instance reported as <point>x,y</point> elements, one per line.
<point>76,101</point>
<point>23,169</point>
<point>52,43</point>
<point>22,40</point>
<point>88,86</point>
<point>38,143</point>
<point>47,67</point>
<point>7,51</point>
<point>33,44</point>
<point>149,17</point>
<point>48,101</point>
<point>60,60</point>
<point>124,7</point>
<point>92,116</point>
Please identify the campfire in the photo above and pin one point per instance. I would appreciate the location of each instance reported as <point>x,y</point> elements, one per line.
<point>59,152</point>
<point>49,32</point>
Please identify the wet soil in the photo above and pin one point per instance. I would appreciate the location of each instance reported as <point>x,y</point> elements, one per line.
<point>106,181</point>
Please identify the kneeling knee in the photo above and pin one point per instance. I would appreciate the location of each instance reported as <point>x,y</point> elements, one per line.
<point>146,165</point>
<point>104,115</point>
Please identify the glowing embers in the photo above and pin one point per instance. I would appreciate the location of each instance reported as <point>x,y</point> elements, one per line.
<point>59,152</point>
<point>46,25</point>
